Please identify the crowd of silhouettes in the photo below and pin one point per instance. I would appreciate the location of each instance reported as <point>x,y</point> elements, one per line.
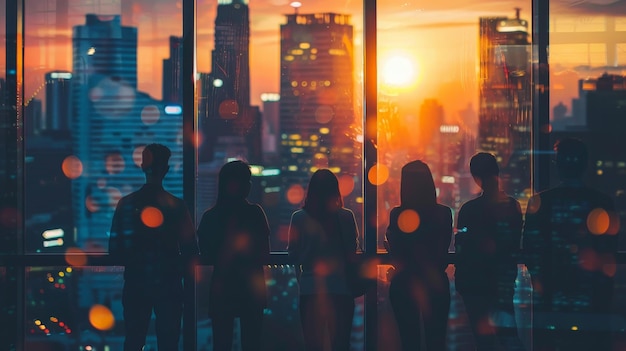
<point>567,240</point>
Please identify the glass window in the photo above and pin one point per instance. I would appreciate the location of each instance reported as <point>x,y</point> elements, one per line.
<point>588,93</point>
<point>280,87</point>
<point>100,80</point>
<point>75,308</point>
<point>461,86</point>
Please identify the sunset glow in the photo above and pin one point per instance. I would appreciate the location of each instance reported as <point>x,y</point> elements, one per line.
<point>398,71</point>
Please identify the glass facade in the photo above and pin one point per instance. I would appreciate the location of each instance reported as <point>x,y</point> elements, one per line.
<point>360,88</point>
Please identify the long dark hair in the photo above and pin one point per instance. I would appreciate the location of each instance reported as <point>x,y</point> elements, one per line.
<point>417,188</point>
<point>323,194</point>
<point>233,183</point>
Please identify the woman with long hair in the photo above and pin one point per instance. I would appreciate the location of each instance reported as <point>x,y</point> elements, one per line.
<point>322,239</point>
<point>418,238</point>
<point>234,237</point>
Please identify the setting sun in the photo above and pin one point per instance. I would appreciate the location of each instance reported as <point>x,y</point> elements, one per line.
<point>398,70</point>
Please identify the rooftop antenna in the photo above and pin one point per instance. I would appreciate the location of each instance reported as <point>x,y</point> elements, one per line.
<point>296,5</point>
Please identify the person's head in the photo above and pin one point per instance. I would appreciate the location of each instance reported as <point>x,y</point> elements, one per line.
<point>323,192</point>
<point>154,161</point>
<point>417,188</point>
<point>484,169</point>
<point>233,182</point>
<point>571,158</point>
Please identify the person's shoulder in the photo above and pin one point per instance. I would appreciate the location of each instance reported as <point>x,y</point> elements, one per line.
<point>127,199</point>
<point>443,209</point>
<point>346,213</point>
<point>471,204</point>
<point>298,215</point>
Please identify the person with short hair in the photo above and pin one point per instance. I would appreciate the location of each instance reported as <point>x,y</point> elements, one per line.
<point>569,243</point>
<point>487,246</point>
<point>153,237</point>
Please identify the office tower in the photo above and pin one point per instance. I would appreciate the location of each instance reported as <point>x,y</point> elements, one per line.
<point>112,122</point>
<point>271,127</point>
<point>58,101</point>
<point>33,121</point>
<point>173,72</point>
<point>505,92</point>
<point>317,121</point>
<point>230,122</point>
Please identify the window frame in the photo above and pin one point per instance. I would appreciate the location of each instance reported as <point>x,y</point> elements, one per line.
<point>15,260</point>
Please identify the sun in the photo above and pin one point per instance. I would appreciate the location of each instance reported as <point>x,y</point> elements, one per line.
<point>398,70</point>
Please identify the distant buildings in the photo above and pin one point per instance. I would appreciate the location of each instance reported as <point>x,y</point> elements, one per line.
<point>58,100</point>
<point>173,72</point>
<point>231,127</point>
<point>505,98</point>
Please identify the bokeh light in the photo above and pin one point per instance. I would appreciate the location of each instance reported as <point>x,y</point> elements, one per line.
<point>91,204</point>
<point>114,163</point>
<point>295,194</point>
<point>378,174</point>
<point>229,109</point>
<point>75,257</point>
<point>408,221</point>
<point>101,317</point>
<point>150,115</point>
<point>114,196</point>
<point>137,155</point>
<point>346,184</point>
<point>324,114</point>
<point>598,221</point>
<point>72,167</point>
<point>151,217</point>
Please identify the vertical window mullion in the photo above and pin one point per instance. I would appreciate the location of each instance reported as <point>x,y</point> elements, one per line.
<point>370,140</point>
<point>189,159</point>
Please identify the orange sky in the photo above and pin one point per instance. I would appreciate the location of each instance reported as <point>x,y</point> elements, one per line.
<point>440,38</point>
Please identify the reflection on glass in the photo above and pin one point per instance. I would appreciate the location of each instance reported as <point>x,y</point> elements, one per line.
<point>459,336</point>
<point>280,92</point>
<point>588,91</point>
<point>281,323</point>
<point>72,308</point>
<point>99,86</point>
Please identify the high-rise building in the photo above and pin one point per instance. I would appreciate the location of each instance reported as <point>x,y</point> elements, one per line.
<point>505,98</point>
<point>230,122</point>
<point>58,100</point>
<point>317,120</point>
<point>173,72</point>
<point>33,117</point>
<point>271,127</point>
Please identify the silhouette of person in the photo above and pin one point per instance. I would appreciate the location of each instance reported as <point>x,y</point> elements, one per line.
<point>569,240</point>
<point>418,237</point>
<point>322,237</point>
<point>153,236</point>
<point>487,246</point>
<point>234,237</point>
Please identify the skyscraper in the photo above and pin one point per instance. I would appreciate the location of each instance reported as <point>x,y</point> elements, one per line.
<point>173,72</point>
<point>230,122</point>
<point>316,102</point>
<point>505,93</point>
<point>58,101</point>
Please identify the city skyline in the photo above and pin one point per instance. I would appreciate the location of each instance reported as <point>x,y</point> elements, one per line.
<point>445,68</point>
